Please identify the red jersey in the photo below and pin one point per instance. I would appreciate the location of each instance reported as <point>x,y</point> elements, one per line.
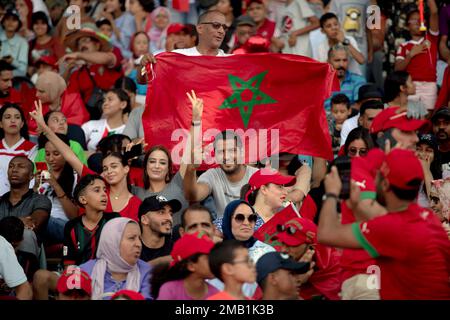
<point>421,67</point>
<point>267,29</point>
<point>104,77</point>
<point>413,253</point>
<point>13,97</point>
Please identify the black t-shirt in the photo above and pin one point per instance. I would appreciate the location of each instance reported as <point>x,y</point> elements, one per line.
<point>149,254</point>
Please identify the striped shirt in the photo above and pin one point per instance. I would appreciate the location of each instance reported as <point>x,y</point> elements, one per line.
<point>21,148</point>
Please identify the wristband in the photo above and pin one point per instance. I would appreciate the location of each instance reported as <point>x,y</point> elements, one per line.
<point>329,195</point>
<point>196,123</point>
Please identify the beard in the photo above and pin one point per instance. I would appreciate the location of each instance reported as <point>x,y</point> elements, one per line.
<point>229,170</point>
<point>441,135</point>
<point>158,228</point>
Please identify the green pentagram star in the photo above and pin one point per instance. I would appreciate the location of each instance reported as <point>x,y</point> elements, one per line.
<point>239,86</point>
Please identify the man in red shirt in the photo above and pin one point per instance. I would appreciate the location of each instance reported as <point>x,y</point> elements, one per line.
<point>7,92</point>
<point>256,9</point>
<point>410,246</point>
<point>99,65</point>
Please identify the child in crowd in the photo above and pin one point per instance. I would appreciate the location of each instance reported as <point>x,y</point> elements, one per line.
<point>340,111</point>
<point>230,262</point>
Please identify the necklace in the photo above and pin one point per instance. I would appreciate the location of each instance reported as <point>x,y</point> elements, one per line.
<point>116,197</point>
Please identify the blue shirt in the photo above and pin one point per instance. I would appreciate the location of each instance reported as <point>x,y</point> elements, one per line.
<point>349,87</point>
<point>17,48</point>
<point>111,286</point>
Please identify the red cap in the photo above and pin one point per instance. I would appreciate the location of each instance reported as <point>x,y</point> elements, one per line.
<point>394,117</point>
<point>298,231</point>
<point>74,279</point>
<point>266,176</point>
<point>401,167</point>
<point>190,244</point>
<point>50,60</point>
<point>130,294</point>
<point>177,28</point>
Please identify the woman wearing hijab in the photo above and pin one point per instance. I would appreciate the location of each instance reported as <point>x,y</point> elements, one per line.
<point>118,266</point>
<point>157,33</point>
<point>51,90</point>
<point>238,223</point>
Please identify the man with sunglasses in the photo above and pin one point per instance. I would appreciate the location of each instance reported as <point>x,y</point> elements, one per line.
<point>419,55</point>
<point>397,239</point>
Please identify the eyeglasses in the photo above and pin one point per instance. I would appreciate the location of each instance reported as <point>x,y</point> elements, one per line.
<point>240,218</point>
<point>249,262</point>
<point>288,229</point>
<point>217,25</point>
<point>353,151</point>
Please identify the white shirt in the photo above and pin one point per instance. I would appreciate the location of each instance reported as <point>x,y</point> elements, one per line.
<point>321,54</point>
<point>96,130</point>
<point>194,52</point>
<point>348,126</point>
<point>10,269</point>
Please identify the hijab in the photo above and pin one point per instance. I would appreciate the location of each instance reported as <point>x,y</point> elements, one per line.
<point>226,222</point>
<point>55,85</point>
<point>155,34</point>
<point>109,259</point>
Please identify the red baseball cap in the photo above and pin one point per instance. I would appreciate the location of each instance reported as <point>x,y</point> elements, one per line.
<point>265,176</point>
<point>190,244</point>
<point>130,294</point>
<point>402,169</point>
<point>49,60</point>
<point>297,231</point>
<point>74,279</point>
<point>394,117</point>
<point>177,28</point>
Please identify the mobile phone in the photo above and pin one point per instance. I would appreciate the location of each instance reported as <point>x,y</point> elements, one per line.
<point>135,151</point>
<point>381,141</point>
<point>343,164</point>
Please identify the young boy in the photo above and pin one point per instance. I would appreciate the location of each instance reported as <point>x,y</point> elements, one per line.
<point>340,111</point>
<point>230,262</point>
<point>277,276</point>
<point>331,27</point>
<point>419,55</point>
<point>294,21</point>
<point>82,234</point>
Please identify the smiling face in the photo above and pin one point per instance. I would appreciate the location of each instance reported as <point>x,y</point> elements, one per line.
<point>131,245</point>
<point>208,35</point>
<point>114,172</point>
<point>40,28</point>
<point>159,222</point>
<point>158,166</point>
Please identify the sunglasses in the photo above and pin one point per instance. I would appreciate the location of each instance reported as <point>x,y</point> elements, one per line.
<point>217,25</point>
<point>291,230</point>
<point>353,151</point>
<point>240,218</point>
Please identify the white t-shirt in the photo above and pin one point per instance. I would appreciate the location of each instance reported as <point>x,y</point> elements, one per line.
<point>194,52</point>
<point>348,126</point>
<point>292,17</point>
<point>10,269</point>
<point>321,54</point>
<point>222,190</point>
<point>96,130</point>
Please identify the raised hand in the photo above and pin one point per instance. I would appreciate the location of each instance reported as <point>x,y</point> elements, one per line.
<point>37,115</point>
<point>197,106</point>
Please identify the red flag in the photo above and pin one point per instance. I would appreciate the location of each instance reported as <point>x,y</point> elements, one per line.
<point>262,94</point>
<point>181,5</point>
<point>268,230</point>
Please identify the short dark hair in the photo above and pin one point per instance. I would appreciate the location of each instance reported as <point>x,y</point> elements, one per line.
<point>340,98</point>
<point>393,83</point>
<point>205,14</point>
<point>5,66</point>
<point>223,252</point>
<point>147,5</point>
<point>194,207</point>
<point>410,13</point>
<point>30,163</point>
<point>112,143</point>
<point>83,184</point>
<point>123,96</point>
<point>371,104</point>
<point>408,195</point>
<point>225,135</point>
<point>327,16</point>
<point>126,83</point>
<point>101,22</point>
<point>11,228</point>
<point>337,47</point>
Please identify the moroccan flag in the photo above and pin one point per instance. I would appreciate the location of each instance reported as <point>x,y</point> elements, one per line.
<point>275,97</point>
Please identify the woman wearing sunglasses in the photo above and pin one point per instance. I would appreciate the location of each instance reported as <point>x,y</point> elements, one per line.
<point>238,223</point>
<point>358,143</point>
